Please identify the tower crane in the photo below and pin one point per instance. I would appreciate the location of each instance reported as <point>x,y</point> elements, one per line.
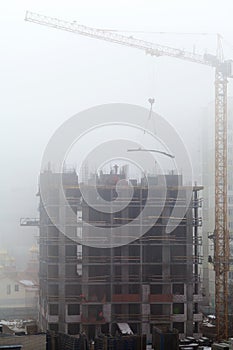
<point>223,71</point>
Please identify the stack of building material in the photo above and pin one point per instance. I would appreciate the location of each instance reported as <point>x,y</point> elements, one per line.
<point>165,339</point>
<point>129,342</point>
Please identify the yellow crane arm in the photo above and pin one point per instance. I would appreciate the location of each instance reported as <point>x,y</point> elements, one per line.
<point>146,46</point>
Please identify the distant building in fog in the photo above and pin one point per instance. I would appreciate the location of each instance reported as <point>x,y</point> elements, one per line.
<point>18,298</point>
<point>7,263</point>
<point>19,289</point>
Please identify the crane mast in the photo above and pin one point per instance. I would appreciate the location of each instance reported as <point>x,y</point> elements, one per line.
<point>222,72</point>
<point>221,233</point>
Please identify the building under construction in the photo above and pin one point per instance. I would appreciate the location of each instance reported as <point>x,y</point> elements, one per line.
<point>152,281</point>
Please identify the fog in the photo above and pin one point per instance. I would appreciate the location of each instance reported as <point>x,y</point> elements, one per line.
<point>48,75</point>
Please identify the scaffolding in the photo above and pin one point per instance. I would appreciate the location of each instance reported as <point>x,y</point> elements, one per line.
<point>154,280</point>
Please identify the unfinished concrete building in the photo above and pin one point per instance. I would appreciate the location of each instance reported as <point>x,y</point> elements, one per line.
<point>152,281</point>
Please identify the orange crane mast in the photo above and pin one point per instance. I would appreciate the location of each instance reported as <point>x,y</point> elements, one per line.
<point>223,71</point>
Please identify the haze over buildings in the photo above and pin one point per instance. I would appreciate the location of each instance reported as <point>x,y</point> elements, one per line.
<point>48,75</point>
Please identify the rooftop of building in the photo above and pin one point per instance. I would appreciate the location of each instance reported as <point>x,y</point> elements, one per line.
<point>117,175</point>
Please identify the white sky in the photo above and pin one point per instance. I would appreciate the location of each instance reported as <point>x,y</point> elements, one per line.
<point>48,75</point>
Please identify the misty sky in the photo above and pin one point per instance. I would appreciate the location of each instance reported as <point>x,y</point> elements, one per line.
<point>48,75</point>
